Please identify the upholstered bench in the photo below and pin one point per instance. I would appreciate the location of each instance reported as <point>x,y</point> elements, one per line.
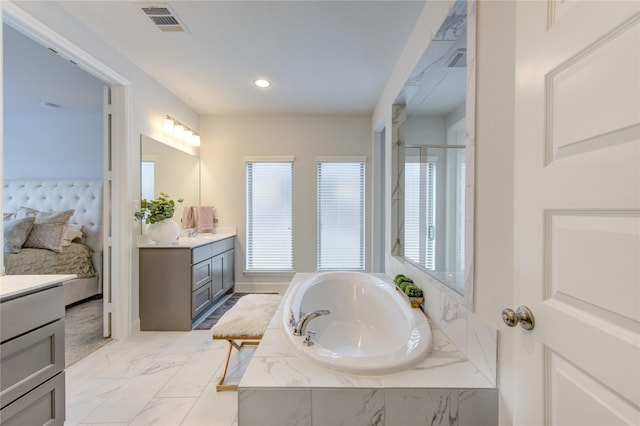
<point>246,323</point>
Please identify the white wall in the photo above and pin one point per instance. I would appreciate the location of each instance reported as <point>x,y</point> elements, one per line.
<point>226,140</point>
<point>425,129</point>
<point>494,277</point>
<point>56,145</point>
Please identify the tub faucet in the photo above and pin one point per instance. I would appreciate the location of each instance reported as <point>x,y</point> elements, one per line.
<point>301,326</point>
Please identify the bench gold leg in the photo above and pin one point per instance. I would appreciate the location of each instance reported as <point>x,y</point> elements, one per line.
<point>232,344</point>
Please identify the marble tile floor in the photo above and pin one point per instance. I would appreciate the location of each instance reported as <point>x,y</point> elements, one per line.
<point>155,378</point>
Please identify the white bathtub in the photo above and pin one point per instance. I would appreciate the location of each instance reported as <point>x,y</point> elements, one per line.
<point>371,330</point>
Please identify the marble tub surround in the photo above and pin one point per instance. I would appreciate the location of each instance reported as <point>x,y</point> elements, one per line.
<point>474,338</point>
<point>280,388</point>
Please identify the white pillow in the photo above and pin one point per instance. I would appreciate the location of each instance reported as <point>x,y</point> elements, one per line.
<point>71,233</point>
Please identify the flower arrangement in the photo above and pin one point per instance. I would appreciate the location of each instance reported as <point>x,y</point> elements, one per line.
<point>153,211</point>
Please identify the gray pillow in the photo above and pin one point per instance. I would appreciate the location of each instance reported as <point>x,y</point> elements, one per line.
<point>16,232</point>
<point>48,228</point>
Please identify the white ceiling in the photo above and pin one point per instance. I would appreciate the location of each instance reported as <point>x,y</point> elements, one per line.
<point>322,56</point>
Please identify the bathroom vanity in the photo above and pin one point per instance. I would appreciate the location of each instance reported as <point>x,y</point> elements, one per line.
<point>181,281</point>
<point>32,350</point>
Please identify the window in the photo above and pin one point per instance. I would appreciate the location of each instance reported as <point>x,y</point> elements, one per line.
<point>420,209</point>
<point>341,215</point>
<point>147,178</point>
<point>269,215</point>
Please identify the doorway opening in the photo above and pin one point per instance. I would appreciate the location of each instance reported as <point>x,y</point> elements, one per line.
<point>114,148</point>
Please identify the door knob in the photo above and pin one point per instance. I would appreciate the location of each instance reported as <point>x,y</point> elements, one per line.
<point>522,315</point>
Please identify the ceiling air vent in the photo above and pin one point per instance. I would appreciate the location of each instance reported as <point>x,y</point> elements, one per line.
<point>164,18</point>
<point>458,59</point>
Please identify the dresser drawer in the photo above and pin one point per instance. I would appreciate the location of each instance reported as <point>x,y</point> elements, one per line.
<point>30,360</point>
<point>200,274</point>
<point>42,406</point>
<point>198,254</point>
<point>17,316</point>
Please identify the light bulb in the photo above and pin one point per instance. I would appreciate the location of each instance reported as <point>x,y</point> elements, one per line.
<point>178,130</point>
<point>262,83</point>
<point>195,141</point>
<point>188,135</point>
<point>168,125</point>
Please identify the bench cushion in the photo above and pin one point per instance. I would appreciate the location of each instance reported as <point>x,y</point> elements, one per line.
<point>249,317</point>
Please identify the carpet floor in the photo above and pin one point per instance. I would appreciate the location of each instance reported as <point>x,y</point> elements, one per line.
<point>83,330</point>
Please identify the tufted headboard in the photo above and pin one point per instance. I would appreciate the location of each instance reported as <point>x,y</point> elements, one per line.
<point>84,196</point>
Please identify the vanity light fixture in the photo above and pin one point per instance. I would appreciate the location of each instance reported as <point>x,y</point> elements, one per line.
<point>262,83</point>
<point>188,135</point>
<point>179,130</point>
<point>167,124</point>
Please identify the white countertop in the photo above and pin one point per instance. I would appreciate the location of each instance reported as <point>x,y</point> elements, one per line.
<point>191,242</point>
<point>14,285</point>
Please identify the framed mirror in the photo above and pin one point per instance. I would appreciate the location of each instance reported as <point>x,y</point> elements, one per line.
<point>164,168</point>
<point>433,158</point>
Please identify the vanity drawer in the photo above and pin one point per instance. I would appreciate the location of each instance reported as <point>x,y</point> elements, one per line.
<point>200,274</point>
<point>222,246</point>
<point>17,316</point>
<point>198,254</point>
<point>42,406</point>
<point>200,300</point>
<point>30,360</point>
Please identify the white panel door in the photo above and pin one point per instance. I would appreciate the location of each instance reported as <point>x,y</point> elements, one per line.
<point>577,212</point>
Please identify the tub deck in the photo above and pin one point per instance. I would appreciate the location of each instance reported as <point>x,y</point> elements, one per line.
<point>278,387</point>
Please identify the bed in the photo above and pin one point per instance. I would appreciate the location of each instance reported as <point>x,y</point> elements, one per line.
<point>82,255</point>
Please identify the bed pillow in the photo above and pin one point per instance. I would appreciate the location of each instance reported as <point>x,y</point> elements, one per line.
<point>48,228</point>
<point>71,233</point>
<point>8,216</point>
<point>16,232</point>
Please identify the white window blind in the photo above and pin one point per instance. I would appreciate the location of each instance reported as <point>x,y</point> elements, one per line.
<point>147,178</point>
<point>341,215</point>
<point>269,216</point>
<point>420,212</point>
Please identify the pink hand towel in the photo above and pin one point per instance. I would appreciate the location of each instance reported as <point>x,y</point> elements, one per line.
<point>188,219</point>
<point>205,218</point>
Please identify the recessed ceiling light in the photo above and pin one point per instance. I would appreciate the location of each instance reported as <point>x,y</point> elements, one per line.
<point>262,83</point>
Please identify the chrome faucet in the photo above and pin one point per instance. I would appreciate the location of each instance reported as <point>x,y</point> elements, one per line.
<point>301,327</point>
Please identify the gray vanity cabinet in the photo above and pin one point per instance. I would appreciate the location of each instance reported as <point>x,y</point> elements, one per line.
<point>32,358</point>
<point>180,284</point>
<point>227,270</point>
